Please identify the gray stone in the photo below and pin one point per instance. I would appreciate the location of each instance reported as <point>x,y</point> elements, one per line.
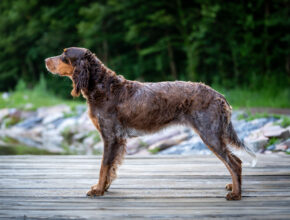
<point>271,147</point>
<point>276,132</point>
<point>52,117</point>
<point>52,140</point>
<point>166,143</point>
<point>134,145</point>
<point>283,146</point>
<point>30,122</point>
<point>164,134</point>
<point>46,111</point>
<point>3,113</point>
<point>256,143</point>
<point>67,124</point>
<point>191,146</point>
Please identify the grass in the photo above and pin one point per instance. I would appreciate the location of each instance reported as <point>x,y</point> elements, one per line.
<point>248,116</point>
<point>31,99</point>
<point>246,98</point>
<point>272,141</point>
<point>22,150</point>
<point>285,122</point>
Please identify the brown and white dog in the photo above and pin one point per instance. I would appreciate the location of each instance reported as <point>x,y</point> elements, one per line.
<point>121,108</point>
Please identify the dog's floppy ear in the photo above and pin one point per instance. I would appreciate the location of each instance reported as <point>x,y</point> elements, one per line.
<point>80,77</point>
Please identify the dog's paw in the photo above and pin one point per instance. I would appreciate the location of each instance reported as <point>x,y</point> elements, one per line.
<point>233,196</point>
<point>229,187</point>
<point>95,191</point>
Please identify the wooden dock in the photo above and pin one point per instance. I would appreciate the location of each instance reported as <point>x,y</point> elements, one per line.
<point>170,187</point>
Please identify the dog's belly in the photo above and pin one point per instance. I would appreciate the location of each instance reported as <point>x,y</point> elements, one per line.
<point>132,132</point>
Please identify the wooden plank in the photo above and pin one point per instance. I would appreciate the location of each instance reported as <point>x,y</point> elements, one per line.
<point>162,187</point>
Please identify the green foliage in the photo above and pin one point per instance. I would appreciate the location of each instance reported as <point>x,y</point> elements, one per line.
<point>272,141</point>
<point>263,97</point>
<point>31,99</point>
<point>248,116</point>
<point>154,151</point>
<point>226,43</point>
<point>284,122</point>
<point>22,150</point>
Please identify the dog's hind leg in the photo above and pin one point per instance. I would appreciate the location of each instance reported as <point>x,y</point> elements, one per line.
<point>232,162</point>
<point>114,150</point>
<point>210,128</point>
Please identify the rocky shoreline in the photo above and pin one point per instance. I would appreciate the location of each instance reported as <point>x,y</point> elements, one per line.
<point>64,130</point>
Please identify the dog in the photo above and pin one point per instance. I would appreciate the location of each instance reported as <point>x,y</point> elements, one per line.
<point>121,108</point>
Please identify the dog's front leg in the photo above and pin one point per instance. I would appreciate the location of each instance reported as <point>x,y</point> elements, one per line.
<point>114,150</point>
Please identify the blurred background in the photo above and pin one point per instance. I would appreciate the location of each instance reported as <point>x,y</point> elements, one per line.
<point>240,48</point>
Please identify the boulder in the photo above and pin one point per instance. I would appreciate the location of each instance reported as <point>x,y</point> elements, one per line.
<point>3,113</point>
<point>47,111</point>
<point>30,122</point>
<point>98,148</point>
<point>52,117</point>
<point>166,143</point>
<point>256,142</point>
<point>283,146</point>
<point>164,134</point>
<point>52,140</point>
<point>134,145</point>
<point>67,123</point>
<point>276,132</point>
<point>143,152</point>
<point>189,147</point>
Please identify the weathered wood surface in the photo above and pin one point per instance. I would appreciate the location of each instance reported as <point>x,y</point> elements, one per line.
<point>170,187</point>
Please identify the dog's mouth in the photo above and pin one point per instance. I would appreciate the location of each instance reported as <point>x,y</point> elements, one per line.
<point>50,66</point>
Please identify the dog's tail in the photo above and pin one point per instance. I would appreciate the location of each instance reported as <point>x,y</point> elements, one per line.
<point>234,140</point>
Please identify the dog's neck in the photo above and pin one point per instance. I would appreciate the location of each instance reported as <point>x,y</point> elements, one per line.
<point>104,83</point>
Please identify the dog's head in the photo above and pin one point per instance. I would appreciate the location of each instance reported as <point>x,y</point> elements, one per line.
<point>74,62</point>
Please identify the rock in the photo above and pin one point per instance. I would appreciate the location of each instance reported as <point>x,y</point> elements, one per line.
<point>30,122</point>
<point>143,152</point>
<point>256,143</point>
<point>164,134</point>
<point>276,132</point>
<point>52,117</point>
<point>67,124</point>
<point>98,148</point>
<point>268,152</point>
<point>244,128</point>
<point>80,109</point>
<point>80,136</point>
<point>164,144</point>
<point>89,141</point>
<point>271,147</point>
<point>52,140</point>
<point>47,111</point>
<point>283,146</point>
<point>189,147</point>
<point>3,113</point>
<point>134,145</point>
<point>85,122</point>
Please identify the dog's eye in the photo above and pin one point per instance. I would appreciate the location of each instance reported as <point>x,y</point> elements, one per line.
<point>64,59</point>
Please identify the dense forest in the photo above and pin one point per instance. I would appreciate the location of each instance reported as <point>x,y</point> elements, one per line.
<point>225,43</point>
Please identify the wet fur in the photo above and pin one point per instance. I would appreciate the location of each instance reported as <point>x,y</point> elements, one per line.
<point>117,106</point>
